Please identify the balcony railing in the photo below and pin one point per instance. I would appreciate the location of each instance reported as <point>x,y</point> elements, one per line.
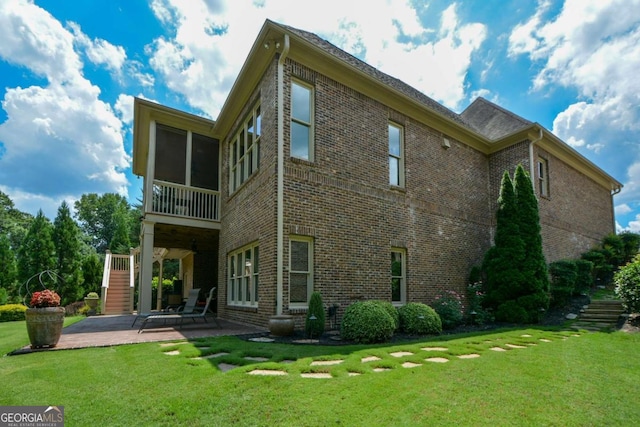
<point>182,201</point>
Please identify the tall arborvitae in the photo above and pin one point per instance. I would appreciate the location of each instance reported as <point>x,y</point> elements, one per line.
<point>8,268</point>
<point>502,262</point>
<point>534,296</point>
<point>66,238</point>
<point>37,252</point>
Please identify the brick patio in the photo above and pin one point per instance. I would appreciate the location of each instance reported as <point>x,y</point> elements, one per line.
<point>104,331</point>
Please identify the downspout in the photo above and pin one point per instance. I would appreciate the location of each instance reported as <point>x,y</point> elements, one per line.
<point>616,190</point>
<point>280,179</point>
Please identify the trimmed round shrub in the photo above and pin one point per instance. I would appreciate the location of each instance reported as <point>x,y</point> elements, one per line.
<point>450,309</point>
<point>367,322</point>
<point>315,327</point>
<point>393,312</point>
<point>564,274</point>
<point>512,312</point>
<point>12,312</point>
<point>627,281</point>
<point>419,319</point>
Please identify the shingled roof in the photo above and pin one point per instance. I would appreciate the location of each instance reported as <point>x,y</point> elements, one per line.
<point>375,73</point>
<point>491,120</point>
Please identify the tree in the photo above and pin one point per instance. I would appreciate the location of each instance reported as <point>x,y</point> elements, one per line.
<point>535,285</point>
<point>8,268</point>
<point>502,262</point>
<point>37,252</point>
<point>96,217</point>
<point>92,273</point>
<point>13,223</point>
<point>120,243</point>
<point>66,238</point>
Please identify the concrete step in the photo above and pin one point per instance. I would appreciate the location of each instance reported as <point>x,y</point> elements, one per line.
<point>600,315</point>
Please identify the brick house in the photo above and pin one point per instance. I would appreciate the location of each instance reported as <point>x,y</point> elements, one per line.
<point>321,172</point>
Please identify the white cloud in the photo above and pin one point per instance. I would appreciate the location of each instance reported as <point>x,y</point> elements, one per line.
<point>209,44</point>
<point>623,209</point>
<point>124,108</point>
<point>59,138</point>
<point>99,51</point>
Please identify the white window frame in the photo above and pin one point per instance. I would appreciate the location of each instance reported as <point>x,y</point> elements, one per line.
<point>396,157</point>
<point>543,177</point>
<point>402,277</point>
<point>308,272</point>
<point>244,158</point>
<point>243,276</point>
<point>309,125</point>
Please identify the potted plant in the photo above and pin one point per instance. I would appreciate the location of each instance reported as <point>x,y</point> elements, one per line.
<point>44,319</point>
<point>92,299</point>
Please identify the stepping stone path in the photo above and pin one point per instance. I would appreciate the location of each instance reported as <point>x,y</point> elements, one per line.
<point>225,367</point>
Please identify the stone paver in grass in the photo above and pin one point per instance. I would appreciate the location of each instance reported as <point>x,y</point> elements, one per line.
<point>225,367</point>
<point>498,349</point>
<point>172,353</point>
<point>261,339</point>
<point>354,374</point>
<point>369,359</point>
<point>545,340</point>
<point>256,358</point>
<point>401,353</point>
<point>306,341</point>
<point>326,362</point>
<point>267,372</point>
<point>435,349</point>
<point>381,369</point>
<point>525,336</point>
<point>211,356</point>
<point>437,360</point>
<point>469,356</point>
<point>170,344</point>
<point>316,375</point>
<point>410,365</point>
<point>514,346</point>
<point>287,361</point>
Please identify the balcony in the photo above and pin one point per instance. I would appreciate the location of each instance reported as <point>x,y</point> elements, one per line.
<point>185,202</point>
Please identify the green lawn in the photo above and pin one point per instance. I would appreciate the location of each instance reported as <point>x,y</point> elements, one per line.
<point>555,379</point>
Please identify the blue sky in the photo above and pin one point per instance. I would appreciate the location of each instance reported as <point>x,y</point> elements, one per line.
<point>69,72</point>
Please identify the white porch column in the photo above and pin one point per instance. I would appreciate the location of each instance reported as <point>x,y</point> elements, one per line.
<point>146,267</point>
<point>159,298</point>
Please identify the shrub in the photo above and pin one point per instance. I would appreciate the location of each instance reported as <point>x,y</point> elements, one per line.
<point>367,322</point>
<point>315,327</point>
<point>563,281</point>
<point>93,295</point>
<point>393,312</point>
<point>475,296</point>
<point>419,319</point>
<point>584,279</point>
<point>512,312</point>
<point>450,309</point>
<point>627,281</point>
<point>12,312</point>
<point>3,296</point>
<point>75,308</point>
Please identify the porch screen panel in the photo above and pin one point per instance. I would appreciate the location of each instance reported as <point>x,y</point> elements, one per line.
<point>171,154</point>
<point>204,162</point>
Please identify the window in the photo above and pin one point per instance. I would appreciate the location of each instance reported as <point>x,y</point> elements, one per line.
<point>398,276</point>
<point>301,121</point>
<point>543,177</point>
<point>300,270</point>
<point>244,150</point>
<point>243,267</point>
<point>396,155</point>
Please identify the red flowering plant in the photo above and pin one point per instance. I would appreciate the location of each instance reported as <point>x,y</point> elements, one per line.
<point>46,298</point>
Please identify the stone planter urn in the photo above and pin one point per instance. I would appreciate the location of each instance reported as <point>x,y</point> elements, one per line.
<point>44,326</point>
<point>281,325</point>
<point>92,303</point>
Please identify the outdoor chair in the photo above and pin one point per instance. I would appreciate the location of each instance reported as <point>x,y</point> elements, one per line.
<point>182,315</point>
<point>189,307</point>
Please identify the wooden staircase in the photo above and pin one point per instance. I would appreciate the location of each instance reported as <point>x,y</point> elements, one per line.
<point>600,315</point>
<point>116,285</point>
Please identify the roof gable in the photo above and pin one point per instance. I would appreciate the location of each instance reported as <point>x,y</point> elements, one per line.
<point>491,120</point>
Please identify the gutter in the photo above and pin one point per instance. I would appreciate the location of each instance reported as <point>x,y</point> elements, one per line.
<point>280,179</point>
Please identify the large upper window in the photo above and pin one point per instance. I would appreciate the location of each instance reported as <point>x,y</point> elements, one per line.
<point>396,155</point>
<point>301,121</point>
<point>300,270</point>
<point>543,177</point>
<point>398,276</point>
<point>187,158</point>
<point>244,150</point>
<point>243,267</point>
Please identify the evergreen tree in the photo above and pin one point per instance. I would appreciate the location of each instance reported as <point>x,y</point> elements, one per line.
<point>535,285</point>
<point>8,268</point>
<point>502,262</point>
<point>120,243</point>
<point>66,238</point>
<point>37,252</point>
<point>92,273</point>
